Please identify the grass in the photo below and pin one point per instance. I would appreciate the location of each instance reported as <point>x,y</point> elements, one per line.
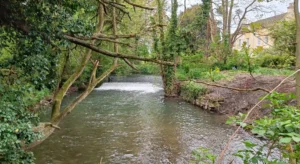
<point>271,71</point>
<point>215,75</point>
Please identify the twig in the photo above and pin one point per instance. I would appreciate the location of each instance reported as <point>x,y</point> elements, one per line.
<point>249,112</point>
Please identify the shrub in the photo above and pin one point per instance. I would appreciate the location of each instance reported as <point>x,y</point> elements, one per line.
<point>16,124</point>
<point>192,91</point>
<point>181,75</point>
<point>276,61</point>
<point>214,75</point>
<point>238,60</point>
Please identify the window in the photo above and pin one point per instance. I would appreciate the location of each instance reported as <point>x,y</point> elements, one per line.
<point>266,40</point>
<point>258,41</point>
<point>240,43</point>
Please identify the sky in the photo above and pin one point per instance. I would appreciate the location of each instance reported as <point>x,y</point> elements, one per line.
<point>277,7</point>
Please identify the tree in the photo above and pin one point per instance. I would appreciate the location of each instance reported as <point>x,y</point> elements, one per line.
<point>284,34</point>
<point>233,16</point>
<point>168,47</point>
<point>297,16</point>
<point>59,29</point>
<point>195,27</point>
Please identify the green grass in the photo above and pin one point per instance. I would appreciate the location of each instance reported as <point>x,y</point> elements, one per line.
<point>271,71</point>
<point>215,75</point>
<point>201,73</point>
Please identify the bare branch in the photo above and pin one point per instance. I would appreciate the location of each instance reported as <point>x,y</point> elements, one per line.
<point>139,6</point>
<point>234,35</point>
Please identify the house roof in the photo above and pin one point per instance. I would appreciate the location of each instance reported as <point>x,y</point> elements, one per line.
<point>268,22</point>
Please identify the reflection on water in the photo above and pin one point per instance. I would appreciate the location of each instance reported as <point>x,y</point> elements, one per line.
<point>115,126</point>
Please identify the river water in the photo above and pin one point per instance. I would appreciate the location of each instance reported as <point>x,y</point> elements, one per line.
<point>129,121</point>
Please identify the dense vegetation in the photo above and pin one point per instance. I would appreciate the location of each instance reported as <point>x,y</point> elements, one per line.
<point>47,47</point>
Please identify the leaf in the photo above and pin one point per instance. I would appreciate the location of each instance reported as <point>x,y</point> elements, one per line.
<point>296,139</point>
<point>285,140</point>
<point>249,144</point>
<point>242,124</point>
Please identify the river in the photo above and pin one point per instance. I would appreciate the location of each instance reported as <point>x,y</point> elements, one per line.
<point>129,121</point>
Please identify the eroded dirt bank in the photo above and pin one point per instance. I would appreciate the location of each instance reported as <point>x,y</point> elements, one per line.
<point>231,102</point>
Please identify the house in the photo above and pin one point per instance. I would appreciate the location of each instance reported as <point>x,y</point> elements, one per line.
<point>261,37</point>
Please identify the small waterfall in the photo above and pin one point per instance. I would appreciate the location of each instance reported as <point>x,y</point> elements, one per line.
<point>130,86</point>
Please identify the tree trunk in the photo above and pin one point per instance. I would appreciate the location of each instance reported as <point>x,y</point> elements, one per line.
<point>297,16</point>
<point>167,71</point>
<point>58,97</point>
<point>229,23</point>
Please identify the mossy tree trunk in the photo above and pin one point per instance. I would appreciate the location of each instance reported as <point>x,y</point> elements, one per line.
<point>168,51</point>
<point>57,113</point>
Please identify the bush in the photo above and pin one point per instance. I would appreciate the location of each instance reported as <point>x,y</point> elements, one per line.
<point>276,61</point>
<point>238,60</point>
<point>16,124</point>
<point>192,91</point>
<point>181,75</point>
<point>214,75</point>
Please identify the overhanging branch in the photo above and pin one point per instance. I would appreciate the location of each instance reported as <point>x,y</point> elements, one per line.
<point>116,55</point>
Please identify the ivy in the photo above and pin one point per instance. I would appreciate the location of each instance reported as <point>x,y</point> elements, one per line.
<point>16,124</point>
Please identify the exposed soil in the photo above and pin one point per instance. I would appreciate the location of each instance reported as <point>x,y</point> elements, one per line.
<point>230,102</point>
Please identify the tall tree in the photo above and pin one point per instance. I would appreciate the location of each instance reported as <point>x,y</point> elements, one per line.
<point>297,16</point>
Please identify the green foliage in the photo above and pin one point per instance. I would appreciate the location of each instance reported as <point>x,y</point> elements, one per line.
<point>16,123</point>
<point>147,68</point>
<point>198,67</point>
<point>202,156</point>
<point>193,27</point>
<point>284,34</point>
<point>200,70</point>
<point>281,128</point>
<point>276,61</point>
<point>237,120</point>
<point>192,91</point>
<point>30,46</point>
<point>270,71</point>
<point>240,60</point>
<point>214,75</point>
<point>181,75</point>
<point>255,154</point>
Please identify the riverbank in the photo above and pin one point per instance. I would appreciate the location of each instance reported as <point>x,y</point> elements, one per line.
<point>230,101</point>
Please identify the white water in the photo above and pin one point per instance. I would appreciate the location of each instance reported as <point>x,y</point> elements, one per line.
<point>123,86</point>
